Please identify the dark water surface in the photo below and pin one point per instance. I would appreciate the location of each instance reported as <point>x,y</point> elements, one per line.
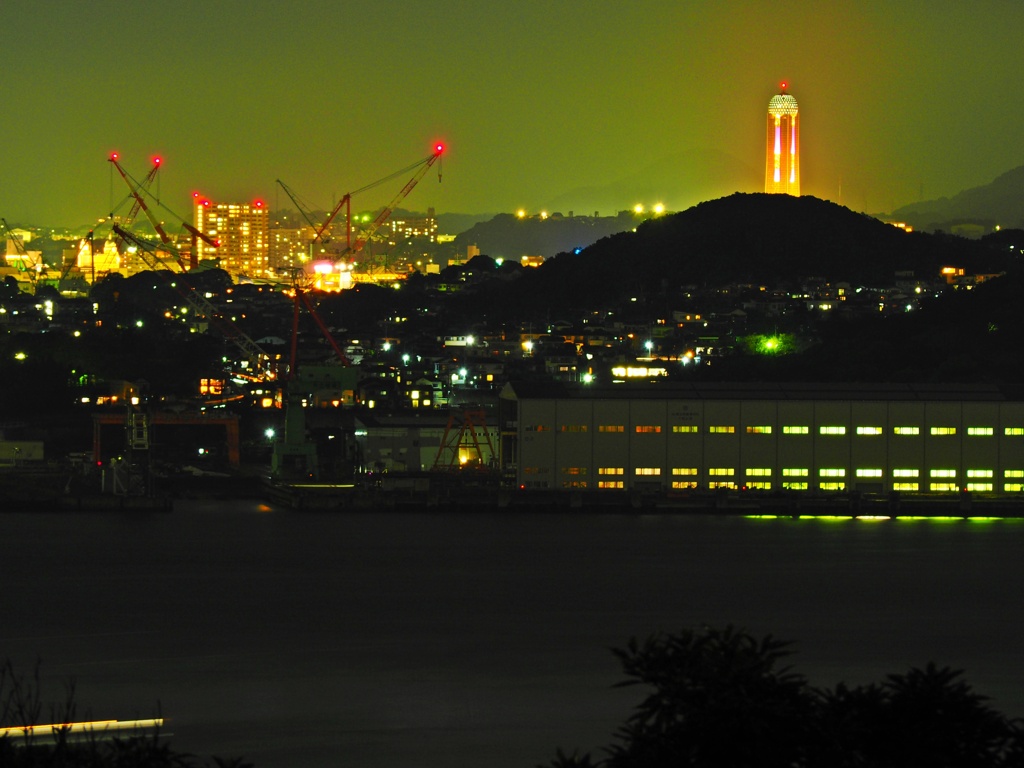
<point>460,640</point>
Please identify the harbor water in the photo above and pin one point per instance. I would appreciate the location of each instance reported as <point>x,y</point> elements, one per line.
<point>462,639</point>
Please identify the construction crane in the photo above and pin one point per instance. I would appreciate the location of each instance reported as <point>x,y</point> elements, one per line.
<point>24,263</point>
<point>149,253</point>
<point>139,190</point>
<point>321,229</point>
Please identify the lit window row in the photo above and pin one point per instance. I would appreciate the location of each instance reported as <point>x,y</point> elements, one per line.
<point>790,429</point>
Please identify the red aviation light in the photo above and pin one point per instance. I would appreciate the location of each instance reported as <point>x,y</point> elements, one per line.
<point>157,161</point>
<point>258,203</point>
<point>114,156</point>
<point>784,85</point>
<point>438,149</point>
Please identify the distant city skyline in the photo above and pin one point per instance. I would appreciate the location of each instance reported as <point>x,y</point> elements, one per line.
<point>567,106</point>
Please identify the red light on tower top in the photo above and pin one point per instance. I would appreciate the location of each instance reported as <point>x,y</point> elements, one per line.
<point>258,203</point>
<point>784,85</point>
<point>438,149</point>
<point>114,156</point>
<point>157,161</point>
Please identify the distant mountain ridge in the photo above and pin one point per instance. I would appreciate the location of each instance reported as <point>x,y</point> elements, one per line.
<point>999,203</point>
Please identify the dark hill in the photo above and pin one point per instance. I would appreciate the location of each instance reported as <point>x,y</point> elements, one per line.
<point>773,240</point>
<point>990,204</point>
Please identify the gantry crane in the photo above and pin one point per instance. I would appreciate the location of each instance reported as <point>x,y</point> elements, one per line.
<point>24,262</point>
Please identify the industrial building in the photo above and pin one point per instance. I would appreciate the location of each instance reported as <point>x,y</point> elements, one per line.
<point>817,439</point>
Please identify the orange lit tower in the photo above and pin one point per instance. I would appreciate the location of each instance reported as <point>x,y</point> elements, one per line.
<point>782,152</point>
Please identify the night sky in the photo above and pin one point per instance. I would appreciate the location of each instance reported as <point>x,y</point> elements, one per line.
<point>564,105</point>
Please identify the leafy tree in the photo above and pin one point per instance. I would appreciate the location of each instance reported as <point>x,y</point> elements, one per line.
<point>724,698</point>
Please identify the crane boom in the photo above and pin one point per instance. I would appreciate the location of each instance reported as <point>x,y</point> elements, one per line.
<point>140,202</point>
<point>385,214</point>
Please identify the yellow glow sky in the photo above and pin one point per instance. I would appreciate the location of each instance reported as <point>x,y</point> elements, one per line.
<point>565,105</point>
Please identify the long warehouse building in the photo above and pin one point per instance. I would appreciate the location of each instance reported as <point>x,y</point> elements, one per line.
<point>792,437</point>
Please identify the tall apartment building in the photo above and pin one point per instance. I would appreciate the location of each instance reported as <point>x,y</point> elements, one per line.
<point>782,147</point>
<point>242,229</point>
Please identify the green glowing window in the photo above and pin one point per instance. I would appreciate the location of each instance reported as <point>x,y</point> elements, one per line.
<point>648,471</point>
<point>758,472</point>
<point>722,430</point>
<point>942,431</point>
<point>1013,487</point>
<point>906,473</point>
<point>979,487</point>
<point>831,472</point>
<point>721,471</point>
<point>794,472</point>
<point>611,470</point>
<point>796,430</point>
<point>722,484</point>
<point>795,485</point>
<point>980,431</point>
<point>942,473</point>
<point>832,430</point>
<point>869,430</point>
<point>684,428</point>
<point>1013,431</point>
<point>1013,473</point>
<point>684,470</point>
<point>869,473</point>
<point>760,485</point>
<point>904,486</point>
<point>942,487</point>
<point>979,473</point>
<point>759,430</point>
<point>832,486</point>
<point>906,431</point>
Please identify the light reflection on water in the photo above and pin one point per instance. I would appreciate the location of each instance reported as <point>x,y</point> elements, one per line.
<point>424,639</point>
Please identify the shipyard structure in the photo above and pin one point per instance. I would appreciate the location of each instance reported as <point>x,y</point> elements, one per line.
<point>803,439</point>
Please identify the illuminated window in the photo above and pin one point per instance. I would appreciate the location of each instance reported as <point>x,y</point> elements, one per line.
<point>980,431</point>
<point>942,473</point>
<point>906,430</point>
<point>722,430</point>
<point>980,487</point>
<point>869,473</point>
<point>796,430</point>
<point>831,430</point>
<point>1013,487</point>
<point>904,486</point>
<point>759,430</point>
<point>647,429</point>
<point>610,484</point>
<point>832,486</point>
<point>795,472</point>
<point>611,470</point>
<point>722,484</point>
<point>721,471</point>
<point>574,470</point>
<point>574,483</point>
<point>1013,431</point>
<point>869,430</point>
<point>1013,473</point>
<point>906,473</point>
<point>611,428</point>
<point>979,473</point>
<point>684,470</point>
<point>940,431</point>
<point>682,484</point>
<point>648,471</point>
<point>795,485</point>
<point>757,472</point>
<point>538,428</point>
<point>759,485</point>
<point>685,428</point>
<point>531,470</point>
<point>943,487</point>
<point>832,472</point>
<point>574,428</point>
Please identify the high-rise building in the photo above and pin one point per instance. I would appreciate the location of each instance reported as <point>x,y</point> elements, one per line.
<point>242,231</point>
<point>782,152</point>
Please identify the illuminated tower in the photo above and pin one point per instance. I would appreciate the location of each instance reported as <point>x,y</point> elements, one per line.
<point>782,164</point>
<point>241,228</point>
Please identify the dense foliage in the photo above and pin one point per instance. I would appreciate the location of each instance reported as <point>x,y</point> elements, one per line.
<point>723,698</point>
